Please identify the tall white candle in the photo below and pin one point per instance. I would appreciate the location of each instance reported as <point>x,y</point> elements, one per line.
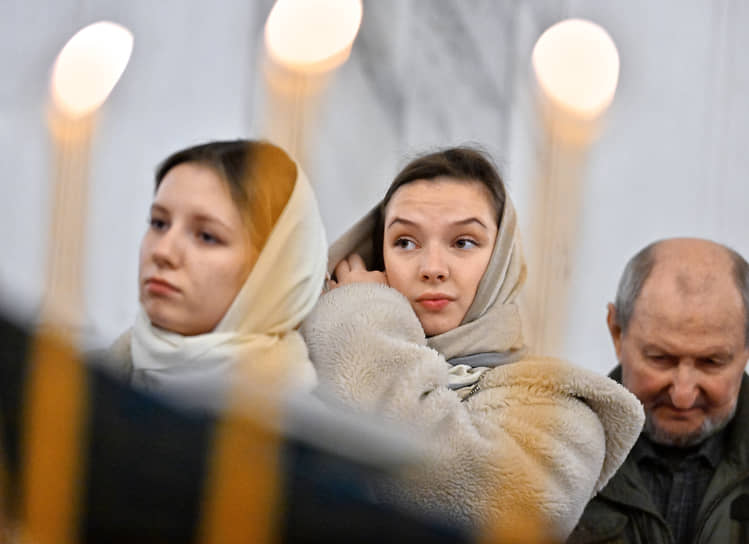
<point>576,66</point>
<point>305,41</point>
<point>84,74</point>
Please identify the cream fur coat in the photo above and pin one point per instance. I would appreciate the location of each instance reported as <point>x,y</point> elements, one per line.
<point>539,437</point>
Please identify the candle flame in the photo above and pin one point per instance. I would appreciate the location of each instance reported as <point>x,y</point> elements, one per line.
<point>577,66</point>
<point>312,35</point>
<point>89,66</point>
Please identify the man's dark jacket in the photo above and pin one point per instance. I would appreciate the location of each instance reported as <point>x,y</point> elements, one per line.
<point>623,511</point>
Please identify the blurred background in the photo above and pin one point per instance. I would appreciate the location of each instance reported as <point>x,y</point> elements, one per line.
<point>671,159</point>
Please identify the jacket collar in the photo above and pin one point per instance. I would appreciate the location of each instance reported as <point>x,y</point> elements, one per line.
<point>737,439</point>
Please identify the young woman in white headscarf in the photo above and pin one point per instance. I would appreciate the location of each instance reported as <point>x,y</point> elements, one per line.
<point>232,260</point>
<point>421,324</point>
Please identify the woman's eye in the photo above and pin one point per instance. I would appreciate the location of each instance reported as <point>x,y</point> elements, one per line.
<point>465,243</point>
<point>156,223</point>
<point>405,243</point>
<point>207,237</point>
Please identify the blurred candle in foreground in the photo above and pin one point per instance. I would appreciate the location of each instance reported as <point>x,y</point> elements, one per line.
<point>305,41</point>
<point>576,67</point>
<point>85,72</point>
<point>83,75</point>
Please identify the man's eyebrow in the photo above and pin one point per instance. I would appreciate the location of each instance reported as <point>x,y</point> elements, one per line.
<point>717,352</point>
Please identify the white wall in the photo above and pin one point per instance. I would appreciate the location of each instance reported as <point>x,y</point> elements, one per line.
<point>671,161</point>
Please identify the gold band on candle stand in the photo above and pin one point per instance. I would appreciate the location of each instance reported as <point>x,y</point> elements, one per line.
<point>53,443</point>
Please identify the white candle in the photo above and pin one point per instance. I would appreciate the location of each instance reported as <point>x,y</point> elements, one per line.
<point>305,41</point>
<point>576,66</point>
<point>84,74</point>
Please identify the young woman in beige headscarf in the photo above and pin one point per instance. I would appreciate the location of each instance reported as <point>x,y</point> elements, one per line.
<point>231,262</point>
<point>421,324</point>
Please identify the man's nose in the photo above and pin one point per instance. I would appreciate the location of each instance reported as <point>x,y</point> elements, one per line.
<point>684,388</point>
<point>434,264</point>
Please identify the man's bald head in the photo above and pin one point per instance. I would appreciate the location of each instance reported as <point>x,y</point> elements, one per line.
<point>690,266</point>
<point>679,328</point>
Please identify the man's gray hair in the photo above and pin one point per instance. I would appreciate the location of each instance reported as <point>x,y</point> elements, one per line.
<point>638,269</point>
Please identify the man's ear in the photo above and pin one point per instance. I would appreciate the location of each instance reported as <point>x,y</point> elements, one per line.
<point>614,329</point>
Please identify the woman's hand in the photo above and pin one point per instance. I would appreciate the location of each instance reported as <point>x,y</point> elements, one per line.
<point>352,270</point>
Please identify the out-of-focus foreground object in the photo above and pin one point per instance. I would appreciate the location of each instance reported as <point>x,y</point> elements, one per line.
<point>84,74</point>
<point>576,66</point>
<point>305,42</point>
<point>145,464</point>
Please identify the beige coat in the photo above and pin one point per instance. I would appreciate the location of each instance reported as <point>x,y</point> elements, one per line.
<point>539,437</point>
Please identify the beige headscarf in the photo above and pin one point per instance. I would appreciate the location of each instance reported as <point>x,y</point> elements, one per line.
<point>490,333</point>
<point>257,336</point>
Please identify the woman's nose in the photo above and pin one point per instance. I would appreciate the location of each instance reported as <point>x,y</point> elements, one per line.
<point>434,265</point>
<point>166,249</point>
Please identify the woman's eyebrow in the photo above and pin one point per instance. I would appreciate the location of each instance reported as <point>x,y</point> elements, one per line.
<point>207,218</point>
<point>460,223</point>
<point>158,208</point>
<point>402,221</point>
<point>469,221</point>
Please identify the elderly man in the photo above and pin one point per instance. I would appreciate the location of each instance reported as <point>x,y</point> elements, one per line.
<point>680,327</point>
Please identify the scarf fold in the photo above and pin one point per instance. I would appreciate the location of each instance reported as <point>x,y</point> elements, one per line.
<point>491,332</point>
<point>257,337</point>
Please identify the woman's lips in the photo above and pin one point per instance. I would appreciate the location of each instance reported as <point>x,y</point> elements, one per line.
<point>159,287</point>
<point>434,302</point>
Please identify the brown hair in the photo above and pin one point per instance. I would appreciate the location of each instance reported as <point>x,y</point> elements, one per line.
<point>459,163</point>
<point>260,177</point>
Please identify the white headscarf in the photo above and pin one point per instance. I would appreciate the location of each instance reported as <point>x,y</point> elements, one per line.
<point>257,337</point>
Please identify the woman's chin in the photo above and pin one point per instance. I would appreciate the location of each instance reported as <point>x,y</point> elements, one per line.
<point>433,327</point>
<point>185,328</point>
<point>164,321</point>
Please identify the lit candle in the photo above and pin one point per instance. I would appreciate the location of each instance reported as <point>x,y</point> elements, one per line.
<point>305,41</point>
<point>576,65</point>
<point>84,74</point>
